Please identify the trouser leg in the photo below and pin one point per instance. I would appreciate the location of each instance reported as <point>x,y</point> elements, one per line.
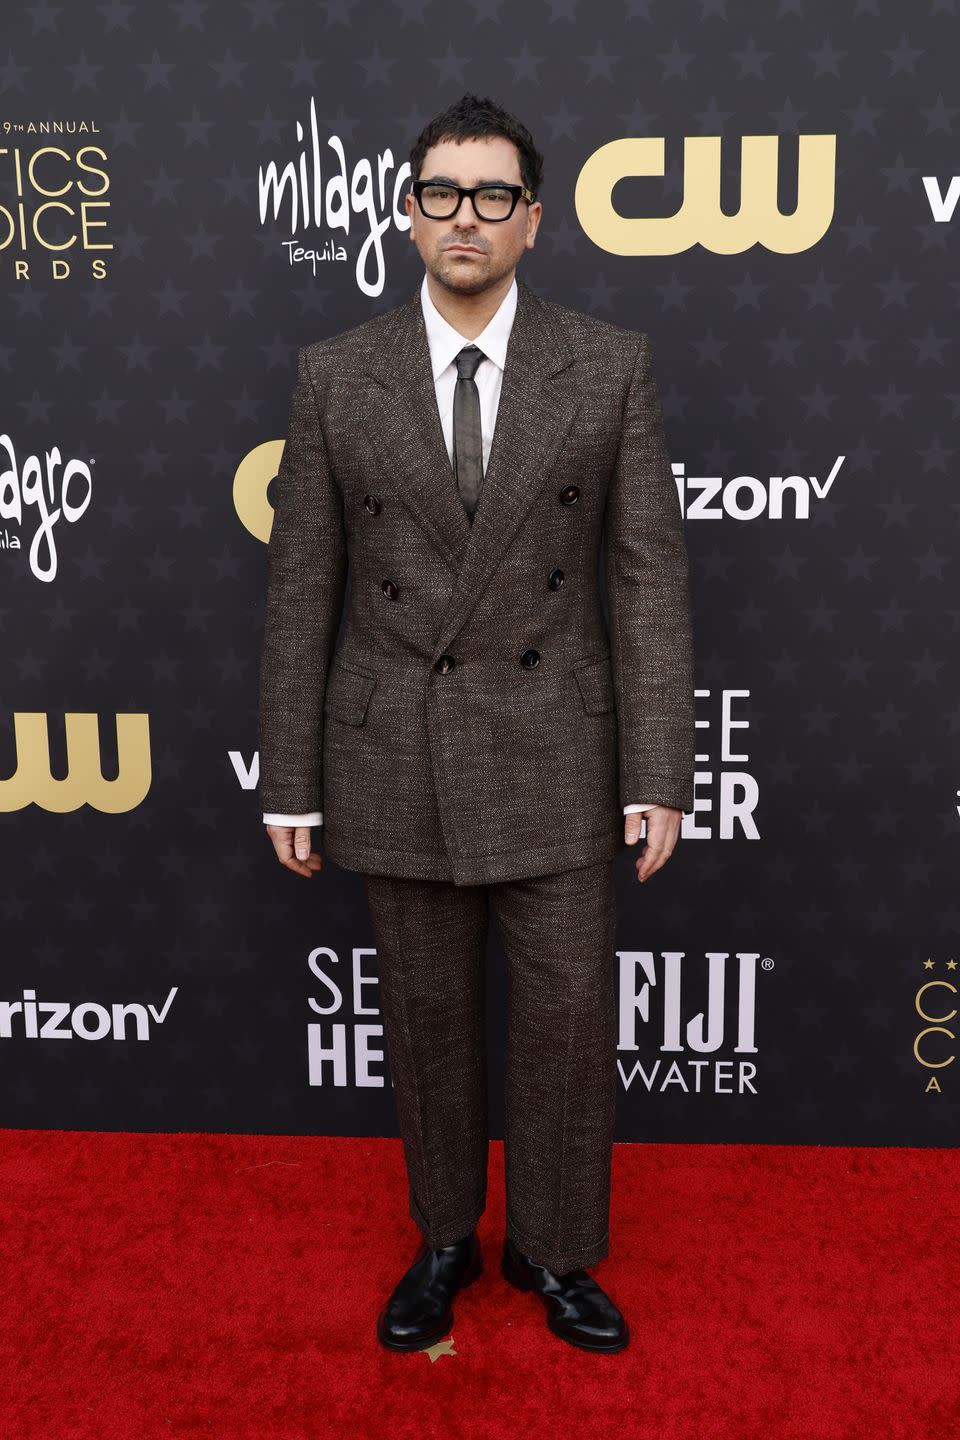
<point>431,939</point>
<point>558,935</point>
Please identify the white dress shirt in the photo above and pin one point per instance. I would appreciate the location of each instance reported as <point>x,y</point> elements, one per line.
<point>445,343</point>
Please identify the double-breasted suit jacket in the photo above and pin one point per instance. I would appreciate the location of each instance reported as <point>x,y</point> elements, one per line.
<point>450,695</point>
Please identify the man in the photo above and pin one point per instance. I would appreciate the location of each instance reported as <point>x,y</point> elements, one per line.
<point>472,738</point>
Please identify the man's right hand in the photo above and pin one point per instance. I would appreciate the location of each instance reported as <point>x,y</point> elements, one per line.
<point>293,848</point>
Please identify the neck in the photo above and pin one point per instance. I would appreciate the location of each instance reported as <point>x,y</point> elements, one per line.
<point>468,314</point>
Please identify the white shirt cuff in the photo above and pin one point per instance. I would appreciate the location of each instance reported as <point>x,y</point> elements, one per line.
<point>315,817</point>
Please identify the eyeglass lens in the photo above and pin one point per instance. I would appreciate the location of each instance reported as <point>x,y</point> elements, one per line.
<point>492,202</point>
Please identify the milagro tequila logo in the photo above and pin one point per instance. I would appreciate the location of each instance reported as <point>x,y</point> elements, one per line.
<point>684,1003</point>
<point>306,197</point>
<point>41,493</point>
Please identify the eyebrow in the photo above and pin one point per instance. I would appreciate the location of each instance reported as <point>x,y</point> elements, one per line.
<point>446,180</point>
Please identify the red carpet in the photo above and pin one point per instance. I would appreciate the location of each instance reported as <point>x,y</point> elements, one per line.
<point>228,1285</point>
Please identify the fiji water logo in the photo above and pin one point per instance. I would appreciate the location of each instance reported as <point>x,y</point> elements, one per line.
<point>696,1010</point>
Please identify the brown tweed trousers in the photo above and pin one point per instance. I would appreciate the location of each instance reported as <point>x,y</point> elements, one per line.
<point>474,730</point>
<point>560,1082</point>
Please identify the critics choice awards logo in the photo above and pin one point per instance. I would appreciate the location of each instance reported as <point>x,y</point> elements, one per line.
<point>54,199</point>
<point>935,1041</point>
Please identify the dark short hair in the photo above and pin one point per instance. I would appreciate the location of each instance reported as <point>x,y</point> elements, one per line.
<point>472,116</point>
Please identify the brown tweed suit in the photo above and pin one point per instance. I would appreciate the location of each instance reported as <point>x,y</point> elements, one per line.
<point>491,770</point>
<point>473,733</point>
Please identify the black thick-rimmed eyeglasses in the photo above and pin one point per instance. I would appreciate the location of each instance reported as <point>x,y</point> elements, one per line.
<point>440,199</point>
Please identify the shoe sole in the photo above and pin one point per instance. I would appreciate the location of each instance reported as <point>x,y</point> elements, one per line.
<point>520,1282</point>
<point>423,1342</point>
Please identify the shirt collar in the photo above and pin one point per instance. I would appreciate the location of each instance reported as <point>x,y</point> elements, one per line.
<point>445,342</point>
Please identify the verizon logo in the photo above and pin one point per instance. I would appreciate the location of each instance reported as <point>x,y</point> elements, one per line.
<point>31,1019</point>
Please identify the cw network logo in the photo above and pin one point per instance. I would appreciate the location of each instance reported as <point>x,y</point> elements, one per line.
<point>653,992</point>
<point>33,783</point>
<point>700,219</point>
<point>33,1019</point>
<point>779,497</point>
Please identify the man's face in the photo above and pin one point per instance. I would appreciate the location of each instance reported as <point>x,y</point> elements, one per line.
<point>494,247</point>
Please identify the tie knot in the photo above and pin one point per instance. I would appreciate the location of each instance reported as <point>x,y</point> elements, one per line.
<point>468,360</point>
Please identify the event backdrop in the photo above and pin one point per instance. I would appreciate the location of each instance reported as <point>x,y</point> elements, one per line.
<point>192,191</point>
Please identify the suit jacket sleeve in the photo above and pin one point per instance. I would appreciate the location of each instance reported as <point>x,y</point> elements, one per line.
<point>647,580</point>
<point>306,577</point>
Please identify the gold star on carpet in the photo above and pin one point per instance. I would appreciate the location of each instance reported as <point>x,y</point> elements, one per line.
<point>442,1347</point>
<point>951,964</point>
<point>928,964</point>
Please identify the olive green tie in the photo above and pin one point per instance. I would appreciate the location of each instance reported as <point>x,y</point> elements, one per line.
<point>467,438</point>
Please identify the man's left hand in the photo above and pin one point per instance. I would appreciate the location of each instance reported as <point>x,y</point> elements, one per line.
<point>663,829</point>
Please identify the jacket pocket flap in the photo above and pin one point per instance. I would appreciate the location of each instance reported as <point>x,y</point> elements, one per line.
<point>348,693</point>
<point>595,679</point>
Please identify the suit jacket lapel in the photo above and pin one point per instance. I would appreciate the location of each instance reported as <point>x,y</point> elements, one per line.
<point>402,422</point>
<point>538,401</point>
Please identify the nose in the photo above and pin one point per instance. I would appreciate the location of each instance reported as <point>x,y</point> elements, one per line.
<point>471,213</point>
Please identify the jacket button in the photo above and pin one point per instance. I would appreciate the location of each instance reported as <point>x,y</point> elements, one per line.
<point>530,658</point>
<point>390,589</point>
<point>371,504</point>
<point>570,495</point>
<point>556,579</point>
<point>444,664</point>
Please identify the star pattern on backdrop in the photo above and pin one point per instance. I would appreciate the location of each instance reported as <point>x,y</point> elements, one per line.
<point>840,623</point>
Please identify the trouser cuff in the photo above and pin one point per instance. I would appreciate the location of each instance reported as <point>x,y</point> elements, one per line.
<point>559,1261</point>
<point>448,1232</point>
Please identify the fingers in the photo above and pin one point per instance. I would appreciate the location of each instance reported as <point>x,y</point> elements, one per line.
<point>293,848</point>
<point>663,830</point>
<point>654,856</point>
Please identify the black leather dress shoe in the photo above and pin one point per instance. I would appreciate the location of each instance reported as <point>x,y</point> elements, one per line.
<point>418,1312</point>
<point>577,1309</point>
